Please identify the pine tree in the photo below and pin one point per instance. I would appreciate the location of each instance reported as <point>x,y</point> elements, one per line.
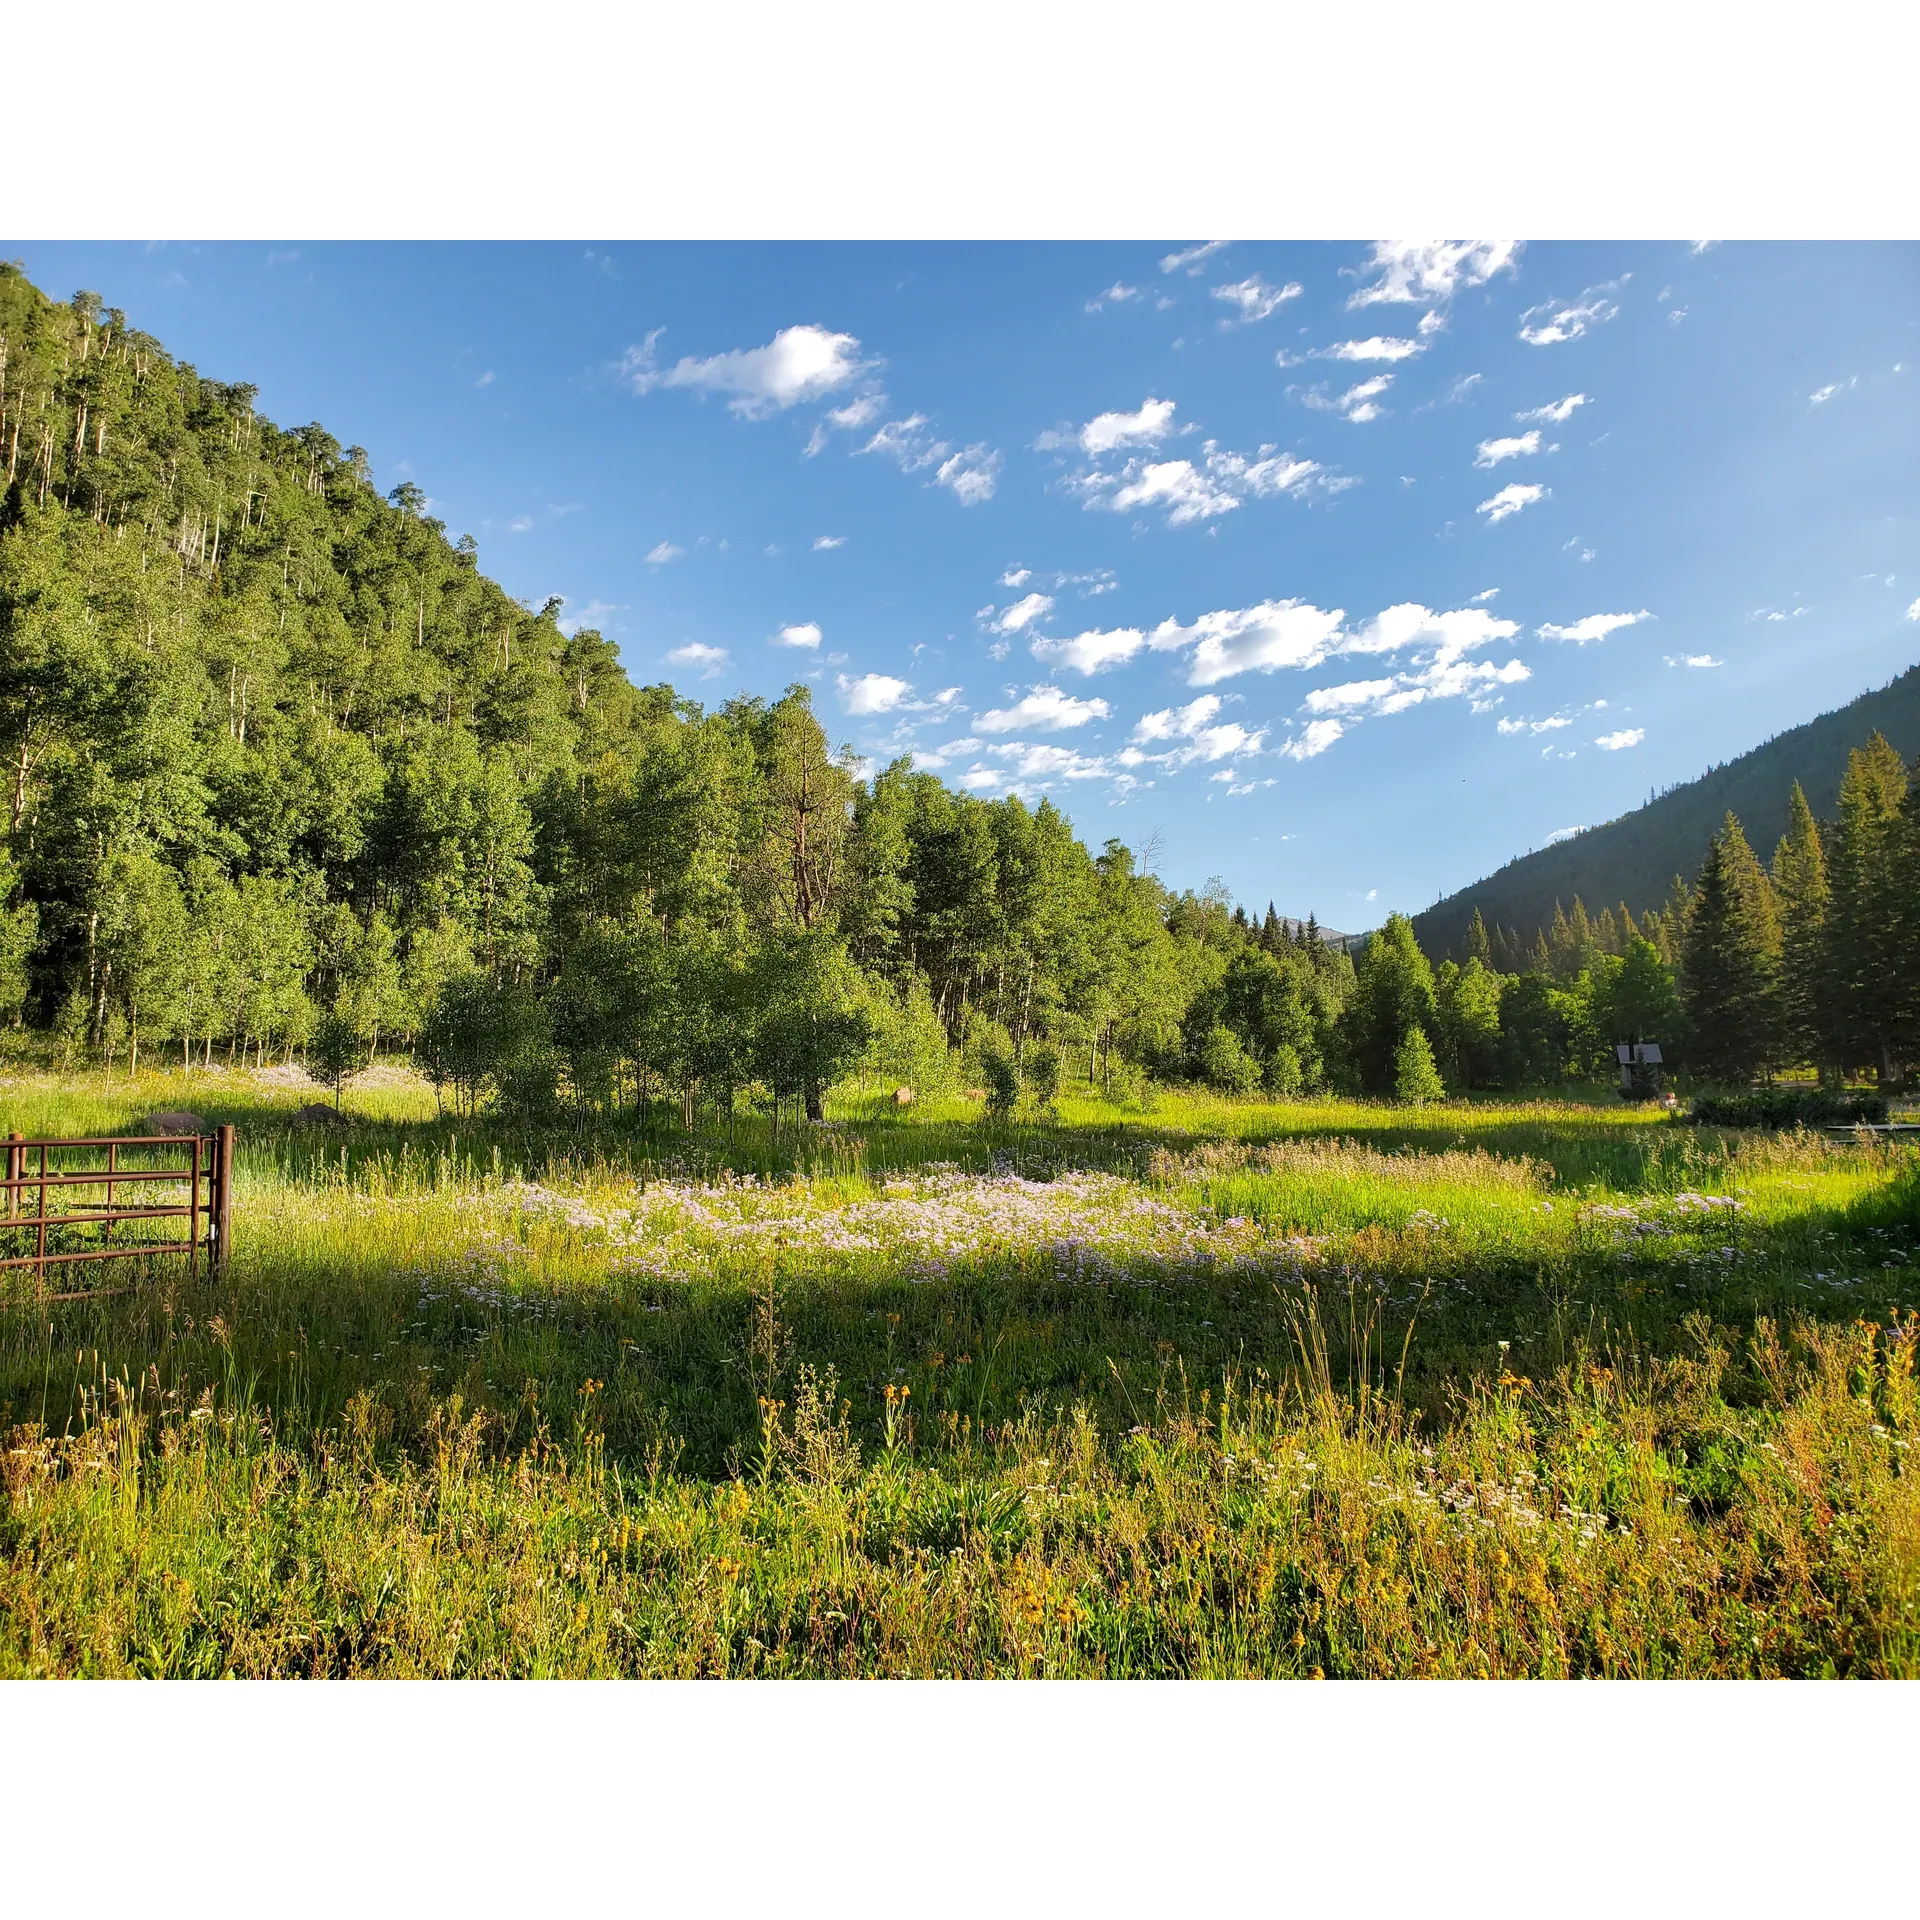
<point>1479,947</point>
<point>1864,984</point>
<point>1800,888</point>
<point>1732,949</point>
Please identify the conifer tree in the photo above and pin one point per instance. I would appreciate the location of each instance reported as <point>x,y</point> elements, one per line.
<point>1416,1080</point>
<point>1800,889</point>
<point>1732,949</point>
<point>1479,947</point>
<point>1863,984</point>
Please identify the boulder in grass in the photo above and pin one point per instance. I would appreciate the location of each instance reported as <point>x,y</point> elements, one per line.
<point>179,1121</point>
<point>317,1114</point>
<point>903,1096</point>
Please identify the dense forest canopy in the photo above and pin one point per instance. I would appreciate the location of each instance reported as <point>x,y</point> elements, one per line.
<point>284,769</point>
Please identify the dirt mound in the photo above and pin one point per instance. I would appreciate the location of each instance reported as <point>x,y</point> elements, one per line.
<point>176,1120</point>
<point>317,1114</point>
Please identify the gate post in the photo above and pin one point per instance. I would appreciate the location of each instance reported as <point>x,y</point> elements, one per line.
<point>16,1167</point>
<point>222,1195</point>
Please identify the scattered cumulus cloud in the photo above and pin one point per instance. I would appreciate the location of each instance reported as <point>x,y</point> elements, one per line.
<point>1313,739</point>
<point>1913,612</point>
<point>1194,734</point>
<point>1693,660</point>
<point>665,553</point>
<point>1374,347</point>
<point>1617,742</point>
<point>1778,613</point>
<point>798,364</point>
<point>805,633</point>
<point>1821,396</point>
<point>1563,833</point>
<point>1492,452</point>
<point>1255,299</point>
<point>970,473</point>
<point>1359,403</point>
<point>1188,490</point>
<point>871,693</point>
<point>696,653</point>
<point>1147,425</point>
<point>1021,615</point>
<point>1090,652</point>
<point>1430,272</point>
<point>828,541</point>
<point>1046,709</point>
<point>1595,626</point>
<point>1509,501</point>
<point>1552,724</point>
<point>1116,295</point>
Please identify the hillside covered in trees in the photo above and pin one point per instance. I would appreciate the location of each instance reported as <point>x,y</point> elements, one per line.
<point>1635,858</point>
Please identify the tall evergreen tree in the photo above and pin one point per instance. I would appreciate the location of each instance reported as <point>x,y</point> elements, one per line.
<point>1864,985</point>
<point>1800,888</point>
<point>1732,962</point>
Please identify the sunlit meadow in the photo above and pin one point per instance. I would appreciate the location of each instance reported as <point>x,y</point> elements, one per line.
<point>1198,1388</point>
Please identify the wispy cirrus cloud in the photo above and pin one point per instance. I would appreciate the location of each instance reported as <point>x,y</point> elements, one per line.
<point>664,554</point>
<point>1595,626</point>
<point>1255,299</point>
<point>1556,412</point>
<point>1190,259</point>
<point>1116,295</point>
<point>1554,322</point>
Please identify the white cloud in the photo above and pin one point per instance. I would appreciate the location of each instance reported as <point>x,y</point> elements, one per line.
<point>1509,501</point>
<point>1045,708</point>
<point>1356,404</point>
<point>1778,613</point>
<point>1147,426</point>
<point>1255,299</point>
<point>486,379</point>
<point>1274,634</point>
<point>797,364</point>
<point>666,551</point>
<point>594,614</point>
<point>697,653</point>
<point>1090,652</point>
<point>1552,323</point>
<point>1552,724</point>
<point>1492,452</point>
<point>1558,412</point>
<point>1191,257</point>
<point>1595,626</point>
<point>1374,347</point>
<point>1913,612</point>
<point>1355,694</point>
<point>1022,614</point>
<point>828,541</point>
<point>1313,739</point>
<point>1626,737</point>
<point>873,693</point>
<point>1430,272</point>
<point>1115,295</point>
<point>805,634</point>
<point>1563,833</point>
<point>1016,576</point>
<point>1693,660</point>
<point>1486,594</point>
<point>970,474</point>
<point>520,523</point>
<point>1193,733</point>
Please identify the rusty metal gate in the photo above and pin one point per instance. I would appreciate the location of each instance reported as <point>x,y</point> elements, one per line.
<point>68,1170</point>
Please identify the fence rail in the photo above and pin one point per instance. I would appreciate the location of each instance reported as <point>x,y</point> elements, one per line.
<point>39,1168</point>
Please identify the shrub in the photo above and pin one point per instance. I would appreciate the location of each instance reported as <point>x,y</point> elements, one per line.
<point>1002,1079</point>
<point>1043,1076</point>
<point>1416,1080</point>
<point>1284,1076</point>
<point>1225,1064</point>
<point>1789,1107</point>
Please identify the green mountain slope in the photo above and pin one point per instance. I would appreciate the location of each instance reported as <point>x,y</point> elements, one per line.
<point>1635,857</point>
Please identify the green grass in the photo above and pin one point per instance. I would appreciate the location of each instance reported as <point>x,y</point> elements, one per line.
<point>1209,1388</point>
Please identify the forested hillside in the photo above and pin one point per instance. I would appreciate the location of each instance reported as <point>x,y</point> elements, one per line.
<point>1635,858</point>
<point>285,769</point>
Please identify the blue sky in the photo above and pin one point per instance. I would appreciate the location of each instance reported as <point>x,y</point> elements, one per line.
<point>1349,571</point>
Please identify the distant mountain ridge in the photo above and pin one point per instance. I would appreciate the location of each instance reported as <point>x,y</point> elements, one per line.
<point>1635,857</point>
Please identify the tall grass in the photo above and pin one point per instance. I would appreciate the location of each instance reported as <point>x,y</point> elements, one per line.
<point>1219,1388</point>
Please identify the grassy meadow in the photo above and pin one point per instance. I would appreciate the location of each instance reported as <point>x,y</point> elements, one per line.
<point>1201,1388</point>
